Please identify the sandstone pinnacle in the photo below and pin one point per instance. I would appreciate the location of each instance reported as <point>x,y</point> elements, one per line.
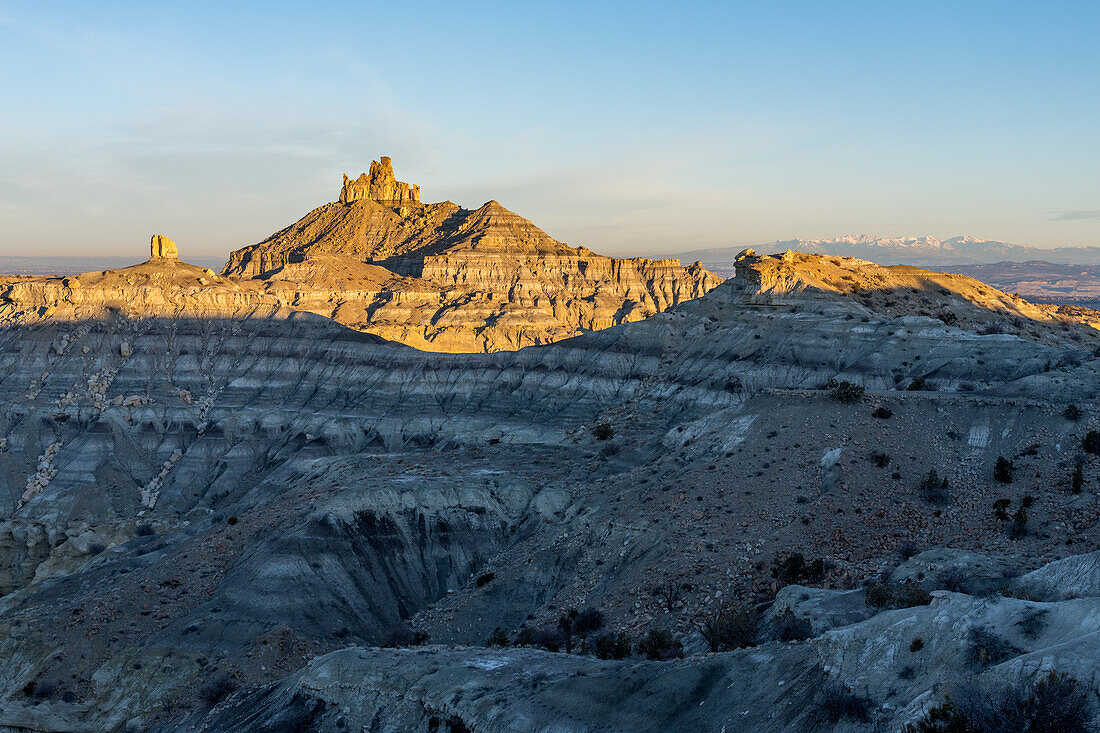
<point>162,246</point>
<point>381,186</point>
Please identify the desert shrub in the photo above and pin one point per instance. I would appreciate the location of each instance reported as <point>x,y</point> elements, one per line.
<point>897,595</point>
<point>603,431</point>
<point>730,629</point>
<point>96,547</point>
<point>588,621</point>
<point>498,638</point>
<point>40,689</point>
<point>1033,622</point>
<point>882,413</point>
<point>1003,470</point>
<point>1056,703</point>
<point>402,635</point>
<point>1018,527</point>
<point>794,569</point>
<point>880,459</point>
<point>933,489</point>
<point>549,638</point>
<point>660,644</point>
<point>985,648</point>
<point>907,673</point>
<point>916,385</point>
<point>484,579</point>
<point>1077,482</point>
<point>844,391</point>
<point>612,646</point>
<point>217,689</point>
<point>1000,508</point>
<point>143,530</point>
<point>1072,412</point>
<point>524,637</point>
<point>1091,443</point>
<point>916,645</point>
<point>907,550</point>
<point>788,627</point>
<point>954,579</point>
<point>837,702</point>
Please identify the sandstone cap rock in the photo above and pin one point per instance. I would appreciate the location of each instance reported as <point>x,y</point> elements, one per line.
<point>162,246</point>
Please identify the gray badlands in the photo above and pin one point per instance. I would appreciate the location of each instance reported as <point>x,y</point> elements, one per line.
<point>822,494</point>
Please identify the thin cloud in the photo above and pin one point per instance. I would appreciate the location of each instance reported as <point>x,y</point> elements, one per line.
<point>1077,215</point>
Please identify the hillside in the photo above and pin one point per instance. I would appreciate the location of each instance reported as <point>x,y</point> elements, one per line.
<point>462,280</point>
<point>206,484</point>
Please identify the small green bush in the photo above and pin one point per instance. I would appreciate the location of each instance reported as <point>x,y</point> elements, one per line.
<point>986,648</point>
<point>730,629</point>
<point>603,431</point>
<point>844,391</point>
<point>1073,413</point>
<point>1003,470</point>
<point>1091,443</point>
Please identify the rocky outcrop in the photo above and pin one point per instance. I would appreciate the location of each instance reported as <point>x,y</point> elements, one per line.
<point>162,246</point>
<point>381,186</point>
<point>458,280</point>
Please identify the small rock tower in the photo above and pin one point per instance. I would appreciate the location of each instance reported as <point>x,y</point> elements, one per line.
<point>163,247</point>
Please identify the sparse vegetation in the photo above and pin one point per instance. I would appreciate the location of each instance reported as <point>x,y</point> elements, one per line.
<point>1000,508</point>
<point>484,579</point>
<point>143,530</point>
<point>880,459</point>
<point>217,689</point>
<point>1003,470</point>
<point>603,431</point>
<point>985,648</point>
<point>788,627</point>
<point>837,702</point>
<point>1033,622</point>
<point>1091,443</point>
<point>844,391</point>
<point>1077,482</point>
<point>916,385</point>
<point>1056,703</point>
<point>896,595</point>
<point>794,569</point>
<point>1018,528</point>
<point>1072,412</point>
<point>403,635</point>
<point>612,646</point>
<point>498,638</point>
<point>727,629</point>
<point>882,413</point>
<point>907,550</point>
<point>916,645</point>
<point>933,489</point>
<point>588,620</point>
<point>660,644</point>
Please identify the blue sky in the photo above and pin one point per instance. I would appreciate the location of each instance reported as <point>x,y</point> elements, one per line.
<point>631,128</point>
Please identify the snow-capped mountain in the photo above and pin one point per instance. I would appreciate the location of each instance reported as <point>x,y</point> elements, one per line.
<point>925,251</point>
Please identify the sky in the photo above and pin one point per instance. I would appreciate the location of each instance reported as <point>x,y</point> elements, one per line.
<point>632,128</point>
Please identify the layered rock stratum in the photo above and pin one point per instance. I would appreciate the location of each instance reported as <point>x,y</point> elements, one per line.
<point>206,482</point>
<point>443,278</point>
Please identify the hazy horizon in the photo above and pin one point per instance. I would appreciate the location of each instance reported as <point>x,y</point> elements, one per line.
<point>641,130</point>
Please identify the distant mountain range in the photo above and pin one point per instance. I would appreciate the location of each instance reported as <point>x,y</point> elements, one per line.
<point>920,251</point>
